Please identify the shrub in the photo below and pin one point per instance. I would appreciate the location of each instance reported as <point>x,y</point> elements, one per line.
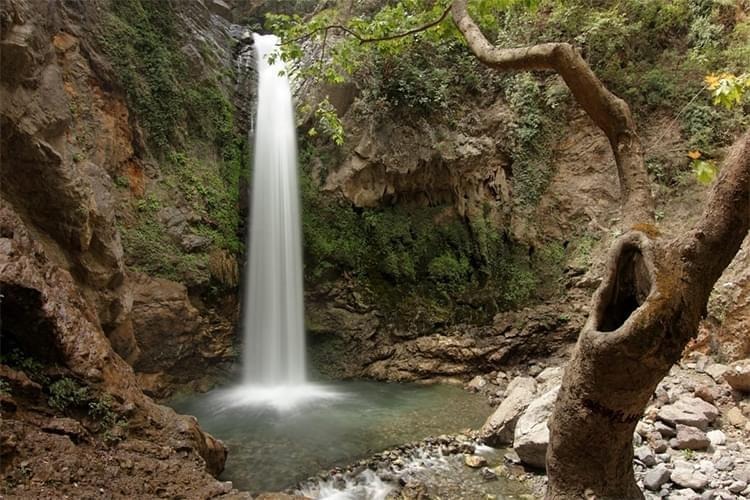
<point>67,393</point>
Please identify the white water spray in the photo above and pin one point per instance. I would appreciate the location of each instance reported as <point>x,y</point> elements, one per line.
<point>274,366</point>
<point>274,331</point>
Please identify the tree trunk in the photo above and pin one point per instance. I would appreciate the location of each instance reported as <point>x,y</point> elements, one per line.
<point>646,310</point>
<point>651,300</point>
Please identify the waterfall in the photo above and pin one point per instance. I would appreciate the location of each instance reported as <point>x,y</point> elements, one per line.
<point>273,325</point>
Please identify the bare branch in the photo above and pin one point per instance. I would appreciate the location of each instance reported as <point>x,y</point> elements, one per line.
<point>610,113</point>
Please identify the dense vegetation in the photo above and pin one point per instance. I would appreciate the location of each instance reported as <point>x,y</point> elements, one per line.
<point>189,125</point>
<point>654,54</point>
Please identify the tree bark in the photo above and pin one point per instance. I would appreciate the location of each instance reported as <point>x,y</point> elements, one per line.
<point>652,297</point>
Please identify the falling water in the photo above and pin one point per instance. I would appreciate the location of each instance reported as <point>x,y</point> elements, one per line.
<point>274,326</point>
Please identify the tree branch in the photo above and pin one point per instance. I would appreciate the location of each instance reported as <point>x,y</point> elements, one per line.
<point>363,40</point>
<point>610,113</point>
<point>718,235</point>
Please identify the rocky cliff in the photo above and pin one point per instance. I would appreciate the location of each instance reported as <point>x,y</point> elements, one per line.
<point>118,268</point>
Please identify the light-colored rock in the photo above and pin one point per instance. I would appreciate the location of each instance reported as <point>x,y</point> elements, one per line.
<point>476,384</point>
<point>689,410</point>
<point>686,476</point>
<point>656,477</point>
<point>689,438</point>
<point>475,461</point>
<point>683,494</point>
<point>499,427</point>
<point>531,436</point>
<point>549,378</point>
<point>738,375</point>
<point>716,370</point>
<point>735,417</point>
<point>716,437</point>
<point>737,486</point>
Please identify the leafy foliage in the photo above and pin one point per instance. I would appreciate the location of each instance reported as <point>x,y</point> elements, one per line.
<point>67,393</point>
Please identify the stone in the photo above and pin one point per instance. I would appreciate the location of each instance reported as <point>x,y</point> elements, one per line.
<point>499,427</point>
<point>220,8</point>
<point>475,461</point>
<point>742,473</point>
<point>683,494</point>
<point>549,377</point>
<point>725,463</point>
<point>716,437</point>
<point>645,456</point>
<point>735,417</point>
<point>476,383</point>
<point>665,430</point>
<point>707,393</point>
<point>689,438</point>
<point>689,410</point>
<point>656,477</point>
<point>488,474</point>
<point>716,370</point>
<point>738,375</point>
<point>531,436</point>
<point>737,486</point>
<point>686,476</point>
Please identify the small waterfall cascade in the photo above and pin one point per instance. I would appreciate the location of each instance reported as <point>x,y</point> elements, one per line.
<point>273,325</point>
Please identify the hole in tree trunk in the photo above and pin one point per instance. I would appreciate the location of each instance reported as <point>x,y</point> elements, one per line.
<point>630,287</point>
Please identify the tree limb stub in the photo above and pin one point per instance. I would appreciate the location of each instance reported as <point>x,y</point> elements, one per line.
<point>610,113</point>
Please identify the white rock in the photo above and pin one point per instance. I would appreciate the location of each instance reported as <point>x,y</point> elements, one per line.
<point>549,378</point>
<point>716,437</point>
<point>532,434</point>
<point>716,370</point>
<point>684,475</point>
<point>476,383</point>
<point>737,486</point>
<point>684,494</point>
<point>499,427</point>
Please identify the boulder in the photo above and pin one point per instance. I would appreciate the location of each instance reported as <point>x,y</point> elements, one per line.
<point>499,427</point>
<point>738,375</point>
<point>689,410</point>
<point>531,436</point>
<point>689,438</point>
<point>549,378</point>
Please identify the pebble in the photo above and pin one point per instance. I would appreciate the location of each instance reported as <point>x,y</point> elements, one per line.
<point>656,477</point>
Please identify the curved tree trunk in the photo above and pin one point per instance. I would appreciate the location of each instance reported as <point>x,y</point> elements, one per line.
<point>652,297</point>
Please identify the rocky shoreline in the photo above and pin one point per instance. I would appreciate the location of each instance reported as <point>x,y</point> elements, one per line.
<point>692,443</point>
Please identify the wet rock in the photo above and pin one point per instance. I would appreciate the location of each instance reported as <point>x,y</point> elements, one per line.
<point>689,438</point>
<point>738,375</point>
<point>475,461</point>
<point>531,436</point>
<point>500,426</point>
<point>686,476</point>
<point>488,474</point>
<point>476,384</point>
<point>688,410</point>
<point>656,477</point>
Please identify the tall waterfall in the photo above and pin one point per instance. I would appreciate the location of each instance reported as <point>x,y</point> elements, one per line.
<point>273,327</point>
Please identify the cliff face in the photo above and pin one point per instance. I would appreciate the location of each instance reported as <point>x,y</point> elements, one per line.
<point>121,213</point>
<point>83,182</point>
